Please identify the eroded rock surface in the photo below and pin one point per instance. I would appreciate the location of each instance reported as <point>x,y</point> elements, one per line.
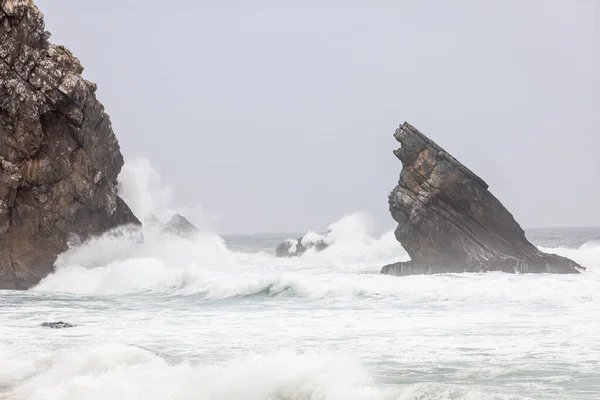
<point>59,158</point>
<point>448,221</point>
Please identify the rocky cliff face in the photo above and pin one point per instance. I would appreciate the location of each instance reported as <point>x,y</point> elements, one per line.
<point>448,221</point>
<point>59,158</point>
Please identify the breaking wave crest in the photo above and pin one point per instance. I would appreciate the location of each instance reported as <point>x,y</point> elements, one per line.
<point>111,371</point>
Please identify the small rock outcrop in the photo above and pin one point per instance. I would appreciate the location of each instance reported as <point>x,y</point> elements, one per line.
<point>448,221</point>
<point>57,325</point>
<point>59,157</point>
<point>297,247</point>
<point>180,226</point>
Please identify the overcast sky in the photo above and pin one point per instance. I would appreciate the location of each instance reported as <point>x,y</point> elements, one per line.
<point>278,116</point>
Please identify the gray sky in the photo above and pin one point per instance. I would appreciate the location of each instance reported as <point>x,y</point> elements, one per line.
<point>278,116</point>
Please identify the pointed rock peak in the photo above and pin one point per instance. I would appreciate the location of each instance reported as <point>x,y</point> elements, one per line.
<point>448,221</point>
<point>180,225</point>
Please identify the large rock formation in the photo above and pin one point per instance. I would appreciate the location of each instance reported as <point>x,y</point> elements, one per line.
<point>448,221</point>
<point>59,158</point>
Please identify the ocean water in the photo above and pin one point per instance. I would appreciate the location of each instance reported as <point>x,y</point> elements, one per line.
<point>222,318</point>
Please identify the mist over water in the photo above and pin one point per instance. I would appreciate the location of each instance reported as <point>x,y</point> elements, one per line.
<point>211,317</point>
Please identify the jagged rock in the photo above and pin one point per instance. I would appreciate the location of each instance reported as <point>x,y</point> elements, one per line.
<point>57,325</point>
<point>59,158</point>
<point>297,247</point>
<point>448,221</point>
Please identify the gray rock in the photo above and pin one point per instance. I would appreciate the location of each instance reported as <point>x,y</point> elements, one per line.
<point>448,221</point>
<point>57,325</point>
<point>297,247</point>
<point>59,158</point>
<point>180,226</point>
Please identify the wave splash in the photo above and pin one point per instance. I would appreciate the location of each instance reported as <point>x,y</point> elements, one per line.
<point>141,259</point>
<point>133,260</point>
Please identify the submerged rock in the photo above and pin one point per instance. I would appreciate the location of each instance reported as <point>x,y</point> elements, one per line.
<point>59,158</point>
<point>57,325</point>
<point>297,247</point>
<point>448,221</point>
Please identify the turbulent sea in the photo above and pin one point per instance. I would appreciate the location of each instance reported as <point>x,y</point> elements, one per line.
<point>222,318</point>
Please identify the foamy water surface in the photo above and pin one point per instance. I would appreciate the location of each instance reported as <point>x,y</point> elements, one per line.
<point>214,318</point>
